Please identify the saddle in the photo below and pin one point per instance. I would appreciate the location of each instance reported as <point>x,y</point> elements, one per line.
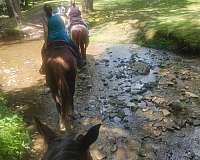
<point>57,44</point>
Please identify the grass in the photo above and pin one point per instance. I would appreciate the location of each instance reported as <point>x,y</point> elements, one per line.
<point>154,23</point>
<point>14,139</point>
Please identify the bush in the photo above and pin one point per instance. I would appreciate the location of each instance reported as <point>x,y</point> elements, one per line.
<point>14,139</point>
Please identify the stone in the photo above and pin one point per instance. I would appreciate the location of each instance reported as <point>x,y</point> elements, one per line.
<point>131,104</point>
<point>117,119</point>
<point>196,122</point>
<point>176,106</point>
<point>127,112</point>
<point>159,100</point>
<point>142,104</point>
<point>140,68</point>
<point>98,154</point>
<point>89,86</point>
<point>110,76</point>
<point>165,112</point>
<point>136,98</point>
<point>128,90</point>
<point>191,95</point>
<point>113,148</point>
<point>121,154</point>
<point>105,83</point>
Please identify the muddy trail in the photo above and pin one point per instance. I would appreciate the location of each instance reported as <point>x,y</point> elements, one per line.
<point>147,100</point>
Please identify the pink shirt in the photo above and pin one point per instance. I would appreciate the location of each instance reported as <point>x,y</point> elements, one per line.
<point>74,14</point>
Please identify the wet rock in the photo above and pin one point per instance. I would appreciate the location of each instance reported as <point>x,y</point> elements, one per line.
<point>140,68</point>
<point>181,122</point>
<point>191,95</point>
<point>127,112</point>
<point>121,154</point>
<point>128,90</point>
<point>98,155</point>
<point>92,102</point>
<point>113,148</point>
<point>138,91</point>
<point>121,114</point>
<point>176,106</point>
<point>136,98</point>
<point>196,122</point>
<point>105,83</point>
<point>117,119</point>
<point>105,60</point>
<point>82,76</point>
<point>159,100</point>
<point>127,125</point>
<point>112,115</point>
<point>150,85</point>
<point>47,90</point>
<point>110,76</point>
<point>89,86</point>
<point>107,64</point>
<point>142,104</point>
<point>165,112</point>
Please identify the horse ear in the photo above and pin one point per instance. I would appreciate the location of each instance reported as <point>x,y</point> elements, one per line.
<point>45,131</point>
<point>90,137</point>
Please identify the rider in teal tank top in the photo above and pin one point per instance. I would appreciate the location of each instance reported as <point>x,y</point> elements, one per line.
<point>56,29</point>
<point>56,32</point>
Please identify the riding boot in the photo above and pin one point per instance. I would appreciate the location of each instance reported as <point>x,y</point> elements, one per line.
<point>77,54</point>
<point>42,68</point>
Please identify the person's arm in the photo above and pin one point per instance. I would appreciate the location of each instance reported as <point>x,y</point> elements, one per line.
<point>61,22</point>
<point>68,12</point>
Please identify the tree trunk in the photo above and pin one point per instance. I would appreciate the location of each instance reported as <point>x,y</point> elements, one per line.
<point>9,9</point>
<point>26,4</point>
<point>13,7</point>
<point>87,5</point>
<point>90,5</point>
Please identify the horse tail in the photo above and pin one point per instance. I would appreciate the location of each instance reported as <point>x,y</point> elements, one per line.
<point>56,74</point>
<point>63,89</point>
<point>76,37</point>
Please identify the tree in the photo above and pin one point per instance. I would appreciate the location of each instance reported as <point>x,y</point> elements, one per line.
<point>13,7</point>
<point>87,5</point>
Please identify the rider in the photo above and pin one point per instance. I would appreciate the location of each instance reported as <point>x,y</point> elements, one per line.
<point>74,15</point>
<point>57,33</point>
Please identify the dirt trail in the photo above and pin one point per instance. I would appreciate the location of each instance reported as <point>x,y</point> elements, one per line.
<point>147,100</point>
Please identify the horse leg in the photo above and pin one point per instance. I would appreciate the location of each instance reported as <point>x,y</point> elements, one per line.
<point>71,83</point>
<point>59,107</point>
<point>82,48</point>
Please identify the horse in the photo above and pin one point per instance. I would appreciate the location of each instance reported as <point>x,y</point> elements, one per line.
<point>60,68</point>
<point>67,147</point>
<point>80,36</point>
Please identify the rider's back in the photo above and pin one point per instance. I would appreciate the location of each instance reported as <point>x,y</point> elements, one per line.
<point>56,29</point>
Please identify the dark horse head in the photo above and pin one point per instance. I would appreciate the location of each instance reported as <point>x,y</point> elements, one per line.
<point>67,148</point>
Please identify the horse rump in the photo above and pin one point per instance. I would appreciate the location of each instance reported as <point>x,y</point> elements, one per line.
<point>60,76</point>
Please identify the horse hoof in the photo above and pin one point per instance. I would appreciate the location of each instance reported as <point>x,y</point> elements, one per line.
<point>42,71</point>
<point>62,127</point>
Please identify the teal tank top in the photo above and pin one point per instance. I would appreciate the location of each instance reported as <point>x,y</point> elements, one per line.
<point>56,29</point>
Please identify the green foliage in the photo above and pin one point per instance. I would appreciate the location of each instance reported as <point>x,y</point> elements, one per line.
<point>14,139</point>
<point>159,23</point>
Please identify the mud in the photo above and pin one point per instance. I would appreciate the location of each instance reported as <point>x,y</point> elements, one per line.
<point>147,100</point>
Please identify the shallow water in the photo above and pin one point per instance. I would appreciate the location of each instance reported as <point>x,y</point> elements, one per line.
<point>132,105</point>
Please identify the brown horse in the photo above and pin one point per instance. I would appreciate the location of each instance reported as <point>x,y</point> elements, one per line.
<point>60,69</point>
<point>67,147</point>
<point>80,36</point>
